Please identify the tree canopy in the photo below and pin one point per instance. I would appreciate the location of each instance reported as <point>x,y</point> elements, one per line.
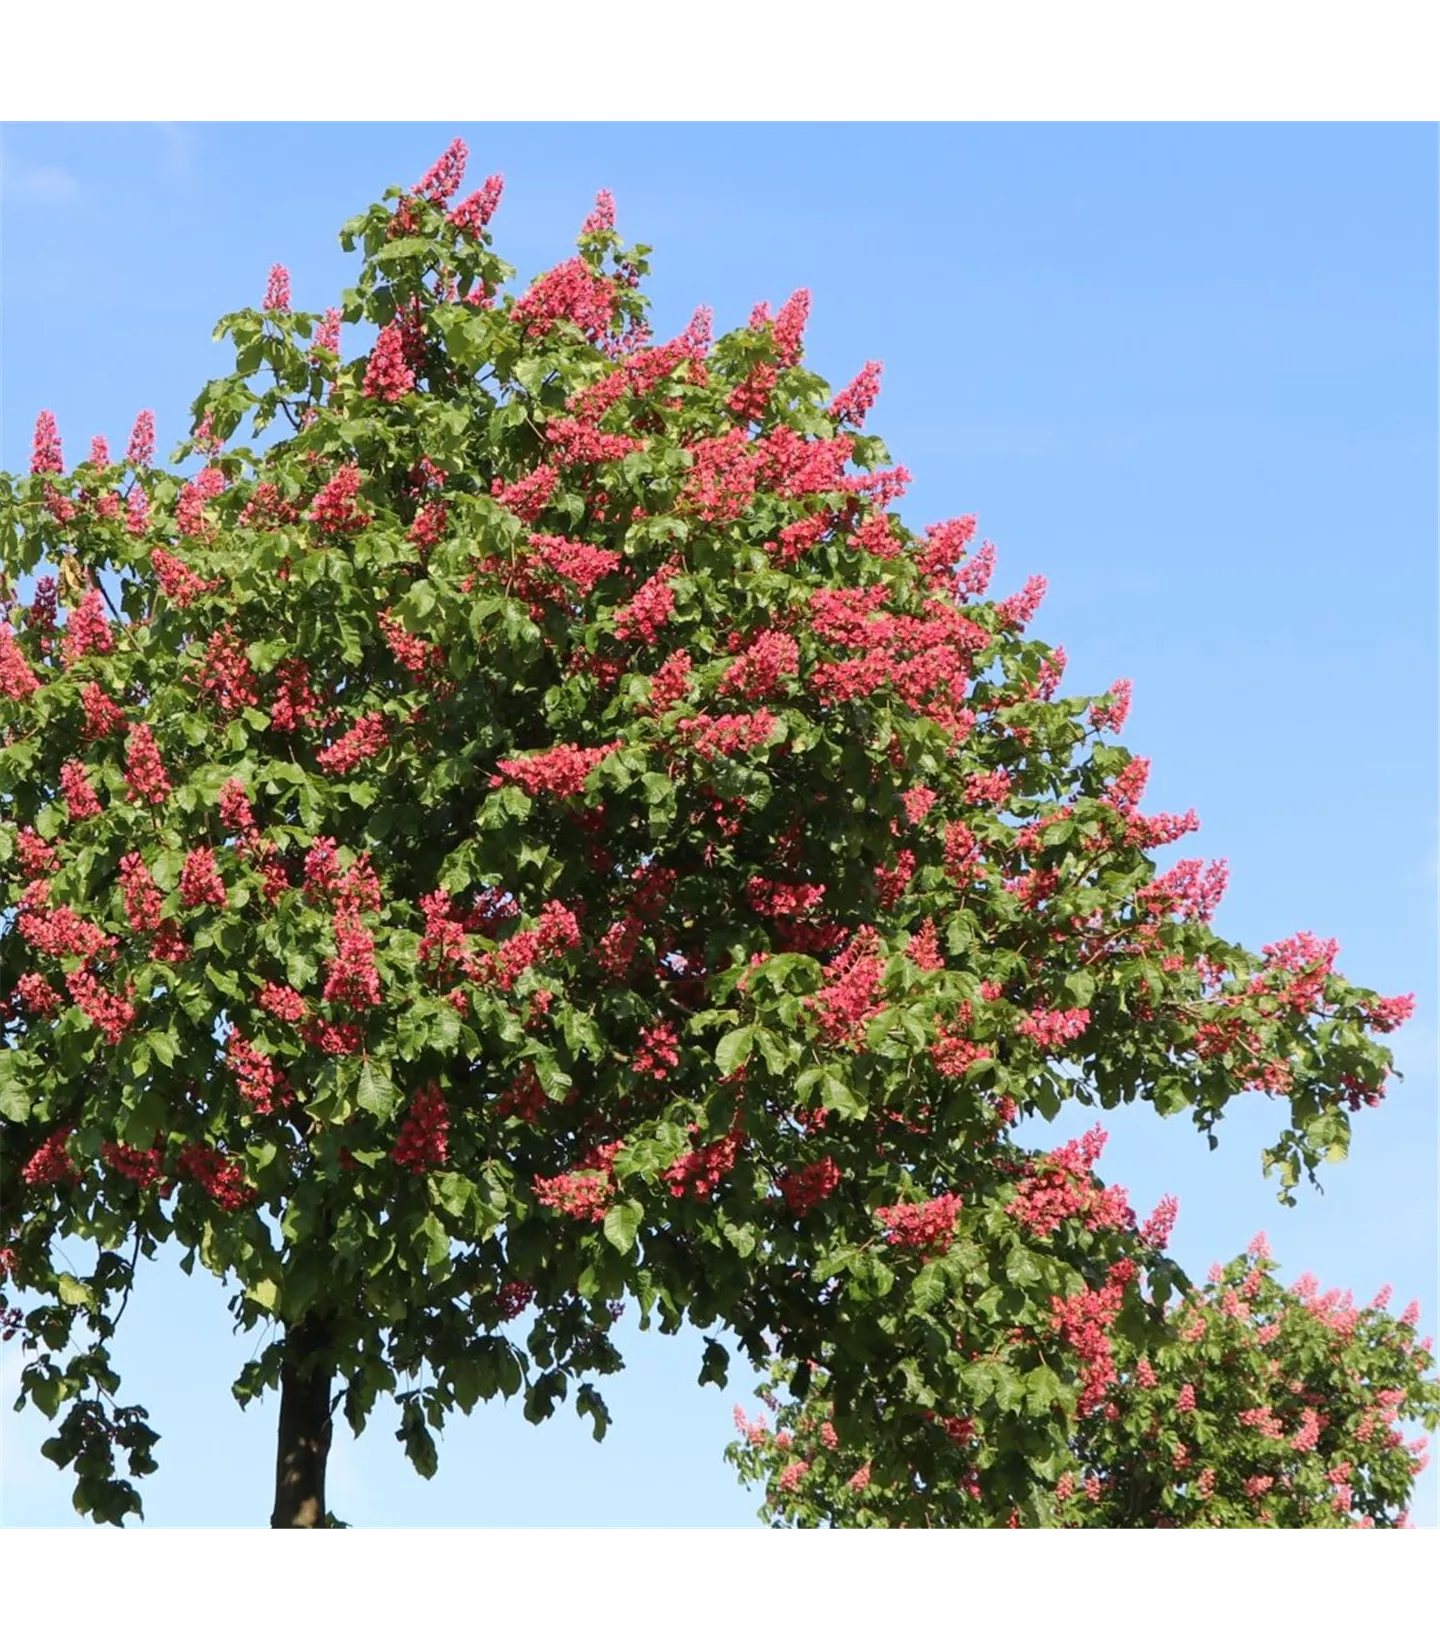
<point>519,824</point>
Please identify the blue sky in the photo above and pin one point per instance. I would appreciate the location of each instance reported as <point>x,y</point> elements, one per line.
<point>1188,373</point>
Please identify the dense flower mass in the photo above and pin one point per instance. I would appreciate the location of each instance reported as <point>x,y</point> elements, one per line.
<point>524,822</point>
<point>929,1226</point>
<point>560,772</point>
<point>423,1141</point>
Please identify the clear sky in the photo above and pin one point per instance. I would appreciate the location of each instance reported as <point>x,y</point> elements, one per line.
<point>1188,373</point>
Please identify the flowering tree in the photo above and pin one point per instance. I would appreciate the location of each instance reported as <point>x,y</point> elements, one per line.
<point>538,830</point>
<point>1254,1405</point>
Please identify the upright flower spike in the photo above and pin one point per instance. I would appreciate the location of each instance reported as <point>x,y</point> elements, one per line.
<point>277,289</point>
<point>46,457</point>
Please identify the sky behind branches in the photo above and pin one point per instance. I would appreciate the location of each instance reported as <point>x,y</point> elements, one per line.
<point>1188,373</point>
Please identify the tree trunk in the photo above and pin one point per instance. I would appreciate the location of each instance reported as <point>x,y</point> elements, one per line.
<point>304,1442</point>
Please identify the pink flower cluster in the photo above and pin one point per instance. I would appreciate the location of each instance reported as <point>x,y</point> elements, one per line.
<point>647,613</point>
<point>554,932</point>
<point>145,1168</point>
<point>1015,612</point>
<point>724,473</point>
<point>177,581</point>
<point>351,977</point>
<point>953,1054</point>
<point>1267,1424</point>
<point>578,564</point>
<point>422,1142</point>
<point>797,466</point>
<point>327,333</point>
<point>1390,1013</point>
<point>413,654</point>
<point>1157,1227</point>
<point>714,736</point>
<point>993,788</point>
<point>61,932</point>
<point>112,1013</point>
<point>367,738</point>
<point>699,1172</point>
<point>216,1175</point>
<point>388,376</point>
<point>79,794</point>
<point>102,715</point>
<point>528,496</point>
<point>259,1080</point>
<point>1083,1321</point>
<point>783,899</point>
<point>923,948</point>
<point>87,629</point>
<point>194,496</point>
<point>225,676</point>
<point>141,449</point>
<point>17,679</point>
<point>1061,1187</point>
<point>659,1051</point>
<point>35,997</point>
<point>585,1192</point>
<point>277,288</point>
<point>144,770</point>
<point>37,856</point>
<point>1053,1028</point>
<point>756,674</point>
<point>1190,892</point>
<point>808,1185</point>
<point>295,702</point>
<point>142,911</point>
<point>46,457</point>
<point>560,772</point>
<point>853,402</point>
<point>577,441</point>
<point>928,1227</point>
<point>1113,716</point>
<point>477,209</point>
<point>789,327</point>
<point>443,178</point>
<point>51,1162</point>
<point>571,292</point>
<point>200,882</point>
<point>333,509</point>
<point>850,999</point>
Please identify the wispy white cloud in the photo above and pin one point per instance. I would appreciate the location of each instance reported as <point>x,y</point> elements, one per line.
<point>52,185</point>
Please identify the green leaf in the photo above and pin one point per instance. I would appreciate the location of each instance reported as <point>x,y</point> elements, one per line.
<point>589,1402</point>
<point>734,1049</point>
<point>1020,1267</point>
<point>419,1445</point>
<point>714,1364</point>
<point>622,1223</point>
<point>73,1292</point>
<point>437,1244</point>
<point>375,1093</point>
<point>928,1289</point>
<point>265,1292</point>
<point>1010,1390</point>
<point>1080,988</point>
<point>15,1103</point>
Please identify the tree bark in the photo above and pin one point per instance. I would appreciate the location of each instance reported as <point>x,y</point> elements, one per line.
<point>304,1441</point>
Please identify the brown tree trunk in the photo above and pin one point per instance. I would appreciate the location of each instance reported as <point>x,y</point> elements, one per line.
<point>304,1442</point>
